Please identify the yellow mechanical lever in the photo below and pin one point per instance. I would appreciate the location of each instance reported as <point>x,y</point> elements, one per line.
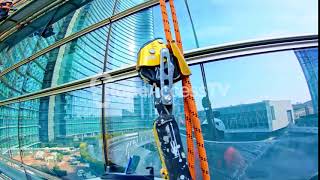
<point>183,66</point>
<point>149,56</point>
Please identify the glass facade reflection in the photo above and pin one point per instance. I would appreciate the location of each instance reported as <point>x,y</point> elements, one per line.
<point>264,107</point>
<point>253,99</point>
<point>33,43</point>
<point>308,59</point>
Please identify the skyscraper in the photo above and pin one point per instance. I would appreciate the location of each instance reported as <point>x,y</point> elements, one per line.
<point>85,56</point>
<point>28,116</point>
<point>308,59</point>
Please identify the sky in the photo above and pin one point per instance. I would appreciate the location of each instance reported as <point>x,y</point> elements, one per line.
<point>250,79</point>
<point>272,76</point>
<point>219,21</point>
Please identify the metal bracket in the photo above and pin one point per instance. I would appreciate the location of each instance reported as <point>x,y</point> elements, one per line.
<point>166,77</point>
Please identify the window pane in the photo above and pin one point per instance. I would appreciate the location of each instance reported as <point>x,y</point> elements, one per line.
<point>93,12</point>
<point>89,14</point>
<point>9,129</point>
<point>59,135</point>
<point>186,31</point>
<point>81,58</point>
<point>123,5</point>
<point>127,36</point>
<point>219,21</point>
<point>256,98</point>
<point>33,43</point>
<point>78,59</point>
<point>129,116</point>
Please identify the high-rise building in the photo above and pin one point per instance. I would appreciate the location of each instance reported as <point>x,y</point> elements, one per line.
<point>308,59</point>
<point>84,57</point>
<point>28,117</point>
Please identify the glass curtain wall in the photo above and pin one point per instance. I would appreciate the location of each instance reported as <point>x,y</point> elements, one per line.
<point>258,121</point>
<point>262,108</point>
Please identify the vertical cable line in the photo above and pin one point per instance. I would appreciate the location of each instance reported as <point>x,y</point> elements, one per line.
<point>192,24</point>
<point>210,114</point>
<point>103,108</point>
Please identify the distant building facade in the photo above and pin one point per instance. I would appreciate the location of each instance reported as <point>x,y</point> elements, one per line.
<point>305,115</point>
<point>265,116</point>
<point>303,109</point>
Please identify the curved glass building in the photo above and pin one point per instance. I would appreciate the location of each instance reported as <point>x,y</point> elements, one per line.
<point>73,107</point>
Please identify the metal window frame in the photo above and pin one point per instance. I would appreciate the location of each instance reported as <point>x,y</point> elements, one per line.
<point>30,17</point>
<point>196,56</point>
<point>83,32</point>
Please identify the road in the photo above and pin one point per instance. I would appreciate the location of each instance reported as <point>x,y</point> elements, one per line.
<point>294,156</point>
<point>15,174</point>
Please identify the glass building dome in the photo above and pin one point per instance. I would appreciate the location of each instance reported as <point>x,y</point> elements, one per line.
<point>72,105</point>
